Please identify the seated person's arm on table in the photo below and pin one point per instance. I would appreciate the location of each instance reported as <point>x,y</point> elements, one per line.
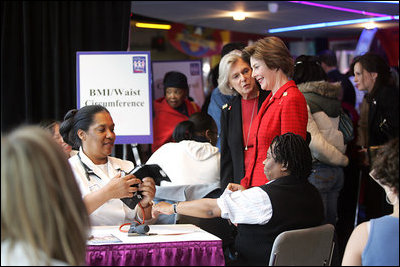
<point>250,206</point>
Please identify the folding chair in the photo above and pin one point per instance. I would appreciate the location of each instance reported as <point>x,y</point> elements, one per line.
<point>304,247</point>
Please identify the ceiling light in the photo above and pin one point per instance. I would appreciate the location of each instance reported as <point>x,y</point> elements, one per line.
<point>331,24</point>
<point>239,15</point>
<point>153,26</point>
<point>273,7</point>
<point>370,25</point>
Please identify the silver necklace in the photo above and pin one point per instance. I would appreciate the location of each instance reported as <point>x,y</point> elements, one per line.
<point>251,121</point>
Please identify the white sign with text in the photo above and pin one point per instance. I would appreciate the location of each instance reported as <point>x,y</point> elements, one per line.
<point>121,82</point>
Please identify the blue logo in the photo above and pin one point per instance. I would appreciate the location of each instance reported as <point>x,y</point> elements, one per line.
<point>139,64</point>
<point>194,69</point>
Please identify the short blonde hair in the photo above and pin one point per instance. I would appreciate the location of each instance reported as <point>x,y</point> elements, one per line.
<point>274,52</point>
<point>41,204</point>
<point>224,68</point>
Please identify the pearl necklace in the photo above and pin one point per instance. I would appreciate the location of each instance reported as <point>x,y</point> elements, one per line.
<point>251,121</point>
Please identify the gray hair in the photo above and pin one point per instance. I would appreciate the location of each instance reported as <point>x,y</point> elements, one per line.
<point>224,68</point>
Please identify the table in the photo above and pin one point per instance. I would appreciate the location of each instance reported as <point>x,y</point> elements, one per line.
<point>168,245</point>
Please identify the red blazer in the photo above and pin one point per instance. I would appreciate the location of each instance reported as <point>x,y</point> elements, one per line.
<point>285,111</point>
<point>166,119</point>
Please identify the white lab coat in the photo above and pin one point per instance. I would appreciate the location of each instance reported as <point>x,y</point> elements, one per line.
<point>114,211</point>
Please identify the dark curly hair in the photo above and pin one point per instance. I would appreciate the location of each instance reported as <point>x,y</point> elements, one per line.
<point>293,152</point>
<point>194,128</point>
<point>386,164</point>
<point>308,69</point>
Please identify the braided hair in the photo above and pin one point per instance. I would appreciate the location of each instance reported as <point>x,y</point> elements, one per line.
<point>292,151</point>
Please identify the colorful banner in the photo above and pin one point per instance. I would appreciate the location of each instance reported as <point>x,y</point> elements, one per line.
<point>195,41</point>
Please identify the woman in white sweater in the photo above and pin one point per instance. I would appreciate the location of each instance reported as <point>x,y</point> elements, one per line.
<point>327,143</point>
<point>193,158</point>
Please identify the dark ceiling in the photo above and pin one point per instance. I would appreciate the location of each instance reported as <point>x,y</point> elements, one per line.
<point>215,14</point>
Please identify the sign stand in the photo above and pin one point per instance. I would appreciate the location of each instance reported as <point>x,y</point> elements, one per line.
<point>135,152</point>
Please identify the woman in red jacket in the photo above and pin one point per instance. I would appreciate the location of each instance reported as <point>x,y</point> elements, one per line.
<point>284,110</point>
<point>171,109</point>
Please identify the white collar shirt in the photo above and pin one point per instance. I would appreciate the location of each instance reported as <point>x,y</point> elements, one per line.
<point>251,206</point>
<point>114,211</point>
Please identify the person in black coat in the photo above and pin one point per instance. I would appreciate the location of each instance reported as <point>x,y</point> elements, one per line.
<point>237,116</point>
<point>372,74</point>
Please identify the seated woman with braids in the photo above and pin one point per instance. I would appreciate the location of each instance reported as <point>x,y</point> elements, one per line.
<point>287,202</point>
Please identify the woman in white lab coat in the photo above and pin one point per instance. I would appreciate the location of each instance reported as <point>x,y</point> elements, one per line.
<point>102,178</point>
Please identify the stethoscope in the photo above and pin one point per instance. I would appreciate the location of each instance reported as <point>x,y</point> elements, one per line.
<point>89,171</point>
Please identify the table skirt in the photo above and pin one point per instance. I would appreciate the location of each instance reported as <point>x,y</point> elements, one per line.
<point>183,253</point>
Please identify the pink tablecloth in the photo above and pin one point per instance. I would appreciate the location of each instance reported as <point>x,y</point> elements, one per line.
<point>183,253</point>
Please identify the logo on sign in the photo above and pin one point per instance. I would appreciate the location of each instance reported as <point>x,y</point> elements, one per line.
<point>194,69</point>
<point>139,64</point>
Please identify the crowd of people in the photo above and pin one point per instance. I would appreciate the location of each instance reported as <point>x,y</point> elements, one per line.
<point>273,141</point>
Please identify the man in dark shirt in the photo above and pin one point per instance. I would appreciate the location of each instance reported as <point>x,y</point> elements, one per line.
<point>329,64</point>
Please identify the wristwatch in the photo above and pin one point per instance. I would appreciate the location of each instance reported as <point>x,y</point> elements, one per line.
<point>174,207</point>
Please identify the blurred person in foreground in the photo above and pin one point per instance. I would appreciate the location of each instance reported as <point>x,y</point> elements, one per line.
<point>43,218</point>
<point>285,108</point>
<point>287,202</point>
<point>103,180</point>
<point>376,242</point>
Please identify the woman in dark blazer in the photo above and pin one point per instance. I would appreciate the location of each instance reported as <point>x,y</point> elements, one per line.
<point>237,115</point>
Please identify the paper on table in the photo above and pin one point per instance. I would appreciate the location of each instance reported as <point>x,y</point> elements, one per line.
<point>174,229</point>
<point>160,233</point>
<point>103,239</point>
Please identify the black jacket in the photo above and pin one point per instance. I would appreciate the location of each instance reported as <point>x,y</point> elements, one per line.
<point>383,115</point>
<point>349,94</point>
<point>296,204</point>
<point>232,154</point>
